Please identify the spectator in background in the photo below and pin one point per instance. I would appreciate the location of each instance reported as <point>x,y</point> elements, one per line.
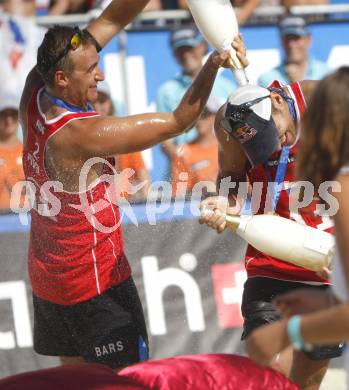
<point>61,7</point>
<point>290,3</point>
<point>105,106</point>
<point>189,49</point>
<point>18,7</point>
<point>297,64</point>
<point>140,177</point>
<point>174,4</point>
<point>244,9</point>
<point>155,5</point>
<point>11,170</point>
<point>19,39</point>
<point>197,160</point>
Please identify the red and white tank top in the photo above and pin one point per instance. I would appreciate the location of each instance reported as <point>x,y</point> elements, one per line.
<point>258,263</point>
<point>70,259</point>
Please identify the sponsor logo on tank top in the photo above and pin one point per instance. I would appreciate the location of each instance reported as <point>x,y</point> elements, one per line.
<point>108,349</point>
<point>40,127</point>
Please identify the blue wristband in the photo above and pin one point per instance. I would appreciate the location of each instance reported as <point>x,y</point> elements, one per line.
<point>294,334</point>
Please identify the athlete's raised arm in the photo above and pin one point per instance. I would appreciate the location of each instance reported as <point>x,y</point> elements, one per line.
<point>104,136</point>
<point>114,18</point>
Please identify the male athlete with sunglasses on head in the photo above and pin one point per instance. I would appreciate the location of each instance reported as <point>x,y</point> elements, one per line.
<point>86,306</point>
<point>257,130</point>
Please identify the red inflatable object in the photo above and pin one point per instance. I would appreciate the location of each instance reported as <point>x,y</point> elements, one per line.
<point>211,371</point>
<point>75,377</point>
<point>206,372</point>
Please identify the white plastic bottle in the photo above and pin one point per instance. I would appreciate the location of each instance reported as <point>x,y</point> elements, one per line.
<point>285,239</point>
<point>217,21</point>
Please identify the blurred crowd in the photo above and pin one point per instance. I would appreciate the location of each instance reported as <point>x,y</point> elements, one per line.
<point>191,157</point>
<point>244,8</point>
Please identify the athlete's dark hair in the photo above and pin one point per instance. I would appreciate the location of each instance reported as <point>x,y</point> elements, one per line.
<point>56,39</point>
<point>324,146</point>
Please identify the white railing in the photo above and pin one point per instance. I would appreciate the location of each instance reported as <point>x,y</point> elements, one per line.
<point>162,18</point>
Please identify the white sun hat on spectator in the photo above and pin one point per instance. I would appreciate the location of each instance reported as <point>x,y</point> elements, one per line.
<point>104,87</point>
<point>9,102</point>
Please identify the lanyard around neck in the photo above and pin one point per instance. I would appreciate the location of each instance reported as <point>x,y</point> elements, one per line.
<point>280,176</point>
<point>61,103</point>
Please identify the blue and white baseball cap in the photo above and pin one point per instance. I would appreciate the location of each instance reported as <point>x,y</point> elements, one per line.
<point>294,25</point>
<point>185,37</point>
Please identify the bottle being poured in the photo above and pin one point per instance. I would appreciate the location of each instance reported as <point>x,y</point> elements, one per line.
<point>217,22</point>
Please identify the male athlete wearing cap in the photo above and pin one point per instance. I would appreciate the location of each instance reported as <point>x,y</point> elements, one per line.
<point>86,307</point>
<point>257,131</point>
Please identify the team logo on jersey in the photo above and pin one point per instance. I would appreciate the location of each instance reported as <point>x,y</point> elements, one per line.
<point>245,133</point>
<point>40,127</point>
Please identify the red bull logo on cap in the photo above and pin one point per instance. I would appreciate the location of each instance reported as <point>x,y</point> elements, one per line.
<point>245,133</point>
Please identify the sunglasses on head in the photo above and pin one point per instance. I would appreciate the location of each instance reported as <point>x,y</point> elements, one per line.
<point>74,42</point>
<point>240,112</point>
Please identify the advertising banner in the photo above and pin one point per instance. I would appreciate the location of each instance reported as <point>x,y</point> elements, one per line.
<point>190,281</point>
